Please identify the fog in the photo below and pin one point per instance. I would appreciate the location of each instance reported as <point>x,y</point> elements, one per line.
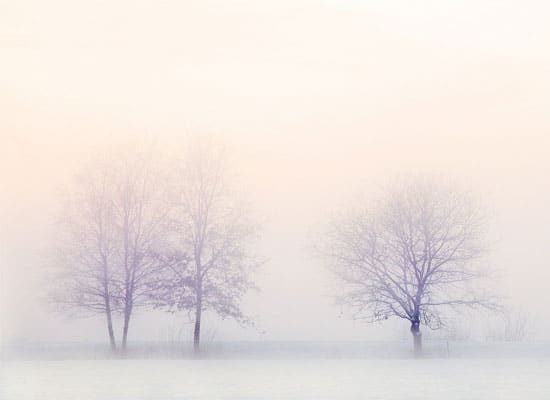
<point>315,102</point>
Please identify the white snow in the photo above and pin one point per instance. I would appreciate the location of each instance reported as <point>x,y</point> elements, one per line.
<point>426,379</point>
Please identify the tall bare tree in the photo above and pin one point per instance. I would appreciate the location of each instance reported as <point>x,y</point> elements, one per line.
<point>211,268</point>
<point>409,255</point>
<point>141,220</point>
<point>116,222</point>
<point>86,250</point>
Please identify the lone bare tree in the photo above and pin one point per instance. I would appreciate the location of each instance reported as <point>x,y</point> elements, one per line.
<point>86,250</point>
<point>211,268</point>
<point>517,323</point>
<point>409,255</point>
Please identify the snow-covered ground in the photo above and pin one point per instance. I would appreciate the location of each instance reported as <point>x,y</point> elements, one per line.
<point>278,378</point>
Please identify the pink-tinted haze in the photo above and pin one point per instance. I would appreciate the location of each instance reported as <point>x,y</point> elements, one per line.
<point>315,100</point>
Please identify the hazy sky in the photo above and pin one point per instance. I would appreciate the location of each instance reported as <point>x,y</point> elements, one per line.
<point>315,99</point>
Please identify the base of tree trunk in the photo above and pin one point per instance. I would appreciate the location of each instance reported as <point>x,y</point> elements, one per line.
<point>197,331</point>
<point>417,343</point>
<point>417,338</point>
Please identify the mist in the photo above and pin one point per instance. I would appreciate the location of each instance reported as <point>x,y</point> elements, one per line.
<point>315,103</point>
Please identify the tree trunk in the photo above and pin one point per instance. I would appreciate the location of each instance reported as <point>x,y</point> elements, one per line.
<point>198,302</point>
<point>124,333</point>
<point>197,332</point>
<point>111,331</point>
<point>417,337</point>
<point>108,311</point>
<point>127,313</point>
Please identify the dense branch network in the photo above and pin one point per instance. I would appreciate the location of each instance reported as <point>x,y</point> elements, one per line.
<point>410,254</point>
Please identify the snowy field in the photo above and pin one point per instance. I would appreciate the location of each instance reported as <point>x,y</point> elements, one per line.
<point>500,376</point>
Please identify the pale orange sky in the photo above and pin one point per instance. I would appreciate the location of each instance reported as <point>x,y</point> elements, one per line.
<point>316,99</point>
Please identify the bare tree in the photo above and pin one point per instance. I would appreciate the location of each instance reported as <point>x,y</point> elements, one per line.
<point>517,324</point>
<point>141,214</point>
<point>86,250</point>
<point>409,255</point>
<point>116,222</point>
<point>211,268</point>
